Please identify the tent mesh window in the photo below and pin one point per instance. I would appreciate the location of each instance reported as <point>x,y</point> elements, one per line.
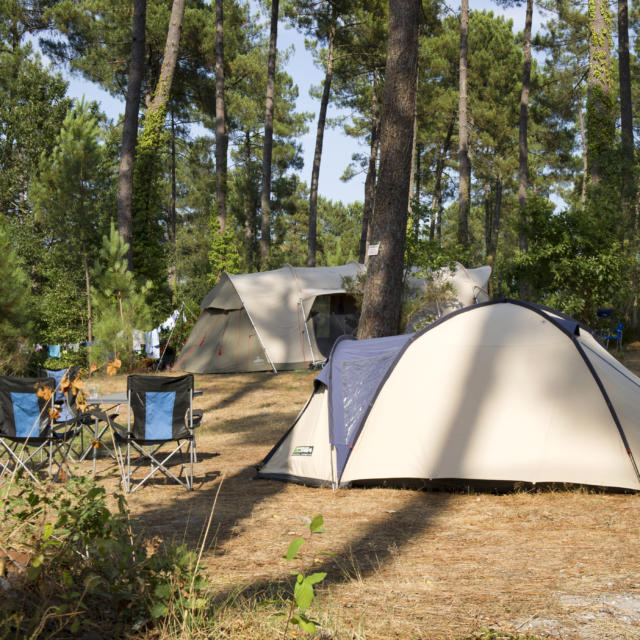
<point>360,380</point>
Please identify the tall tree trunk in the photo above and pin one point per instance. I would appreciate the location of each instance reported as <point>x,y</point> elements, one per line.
<point>370,181</point>
<point>585,163</point>
<point>463,148</point>
<point>130,126</point>
<point>317,156</point>
<point>412,176</point>
<point>415,193</point>
<point>221,125</point>
<point>265,200</point>
<point>383,288</point>
<point>437,192</point>
<point>171,227</point>
<point>148,237</point>
<point>493,211</point>
<point>248,202</point>
<point>626,113</point>
<point>600,123</point>
<point>523,173</point>
<point>87,282</point>
<point>170,58</point>
<point>171,223</point>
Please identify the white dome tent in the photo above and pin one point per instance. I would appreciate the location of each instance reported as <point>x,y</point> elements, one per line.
<point>502,391</point>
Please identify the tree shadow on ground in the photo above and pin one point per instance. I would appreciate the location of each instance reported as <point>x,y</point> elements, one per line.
<point>373,547</point>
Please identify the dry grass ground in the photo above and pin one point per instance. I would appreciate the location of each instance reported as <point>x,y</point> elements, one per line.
<point>404,564</point>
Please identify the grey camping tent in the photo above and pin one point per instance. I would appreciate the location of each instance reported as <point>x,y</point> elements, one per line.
<point>503,391</point>
<point>288,318</point>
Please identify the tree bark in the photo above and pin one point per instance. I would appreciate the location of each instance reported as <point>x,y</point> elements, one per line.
<point>265,201</point>
<point>170,59</point>
<point>130,127</point>
<point>437,192</point>
<point>626,114</point>
<point>415,192</point>
<point>317,156</point>
<point>171,227</point>
<point>585,163</point>
<point>493,212</point>
<point>523,173</point>
<point>383,288</point>
<point>87,282</point>
<point>463,148</point>
<point>221,125</point>
<point>412,175</point>
<point>370,181</point>
<point>600,125</point>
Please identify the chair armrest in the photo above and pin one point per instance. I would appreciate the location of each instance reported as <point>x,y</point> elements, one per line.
<point>197,415</point>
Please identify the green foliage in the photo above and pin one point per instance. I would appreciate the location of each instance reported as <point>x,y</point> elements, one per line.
<point>71,197</point>
<point>572,264</point>
<point>67,359</point>
<point>150,251</point>
<point>88,574</point>
<point>119,302</point>
<point>32,108</point>
<point>15,322</point>
<point>338,232</point>
<point>303,589</point>
<point>224,254</point>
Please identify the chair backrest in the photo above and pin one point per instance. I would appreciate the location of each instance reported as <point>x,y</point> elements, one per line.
<point>68,400</point>
<point>159,406</point>
<point>23,412</point>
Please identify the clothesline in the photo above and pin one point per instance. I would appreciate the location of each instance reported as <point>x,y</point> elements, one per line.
<point>149,339</point>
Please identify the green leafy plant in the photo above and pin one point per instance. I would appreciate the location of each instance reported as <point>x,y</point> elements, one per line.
<point>303,589</point>
<point>83,569</point>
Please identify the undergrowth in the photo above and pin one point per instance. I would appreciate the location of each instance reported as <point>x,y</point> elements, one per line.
<point>73,567</point>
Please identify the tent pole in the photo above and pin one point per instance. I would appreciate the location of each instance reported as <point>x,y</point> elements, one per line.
<point>304,319</point>
<point>306,330</point>
<point>334,484</point>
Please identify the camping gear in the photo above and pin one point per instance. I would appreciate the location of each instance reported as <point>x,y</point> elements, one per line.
<point>290,318</point>
<point>160,425</point>
<point>502,391</point>
<point>27,438</point>
<point>272,320</point>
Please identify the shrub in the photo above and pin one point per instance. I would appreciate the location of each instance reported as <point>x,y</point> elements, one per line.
<point>84,571</point>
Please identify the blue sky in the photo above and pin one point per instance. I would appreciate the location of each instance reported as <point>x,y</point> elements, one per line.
<point>338,148</point>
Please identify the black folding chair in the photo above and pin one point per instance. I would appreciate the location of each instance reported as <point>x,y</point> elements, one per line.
<point>26,428</point>
<point>65,402</point>
<point>160,425</point>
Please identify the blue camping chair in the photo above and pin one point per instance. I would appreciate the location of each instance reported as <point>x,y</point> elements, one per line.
<point>68,411</point>
<point>26,429</point>
<point>160,425</point>
<point>616,336</point>
<point>64,402</point>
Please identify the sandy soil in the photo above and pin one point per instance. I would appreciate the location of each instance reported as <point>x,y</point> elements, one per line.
<point>402,563</point>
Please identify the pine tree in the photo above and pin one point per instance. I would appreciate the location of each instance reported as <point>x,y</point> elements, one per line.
<point>119,301</point>
<point>73,189</point>
<point>14,318</point>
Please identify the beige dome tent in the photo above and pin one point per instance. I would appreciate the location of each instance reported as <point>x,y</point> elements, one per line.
<point>288,318</point>
<point>500,391</point>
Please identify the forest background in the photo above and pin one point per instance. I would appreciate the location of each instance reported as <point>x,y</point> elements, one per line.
<point>217,182</point>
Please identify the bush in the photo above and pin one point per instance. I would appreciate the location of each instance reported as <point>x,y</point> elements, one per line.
<point>84,571</point>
